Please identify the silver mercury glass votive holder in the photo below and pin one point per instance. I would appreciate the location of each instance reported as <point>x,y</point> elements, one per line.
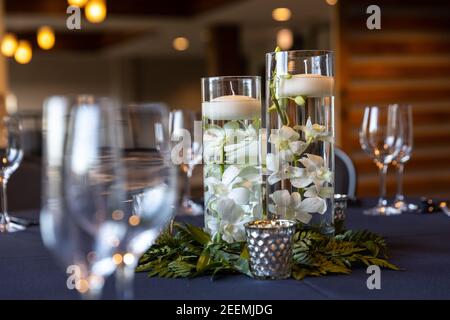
<point>270,244</point>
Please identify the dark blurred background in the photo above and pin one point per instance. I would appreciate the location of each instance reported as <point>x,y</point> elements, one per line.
<point>158,50</point>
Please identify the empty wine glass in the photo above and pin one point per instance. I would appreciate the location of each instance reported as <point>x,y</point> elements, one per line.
<point>186,138</point>
<point>380,137</point>
<point>10,157</point>
<point>120,183</point>
<point>406,118</point>
<point>65,228</point>
<point>150,184</point>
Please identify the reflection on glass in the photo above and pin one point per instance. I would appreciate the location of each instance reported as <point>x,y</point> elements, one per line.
<point>406,118</point>
<point>183,126</point>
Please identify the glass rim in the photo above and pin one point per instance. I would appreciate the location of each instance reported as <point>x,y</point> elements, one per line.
<point>78,96</point>
<point>267,224</point>
<point>305,53</point>
<point>230,77</point>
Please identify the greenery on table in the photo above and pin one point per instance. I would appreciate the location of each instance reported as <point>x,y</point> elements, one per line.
<point>190,252</point>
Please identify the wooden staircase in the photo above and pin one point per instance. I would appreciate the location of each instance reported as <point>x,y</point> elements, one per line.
<point>407,61</point>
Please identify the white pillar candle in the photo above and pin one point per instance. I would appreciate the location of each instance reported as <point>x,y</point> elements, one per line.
<point>233,107</point>
<point>309,85</point>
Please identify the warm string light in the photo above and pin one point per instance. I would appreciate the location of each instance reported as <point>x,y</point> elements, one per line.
<point>180,44</point>
<point>95,11</point>
<point>285,36</point>
<point>46,38</point>
<point>23,53</point>
<point>281,14</point>
<point>77,3</point>
<point>285,39</point>
<point>331,2</point>
<point>9,45</point>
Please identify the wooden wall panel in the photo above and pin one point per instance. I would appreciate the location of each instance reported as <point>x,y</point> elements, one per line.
<point>407,61</point>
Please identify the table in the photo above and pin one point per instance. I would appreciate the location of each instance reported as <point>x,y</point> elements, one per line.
<point>419,243</point>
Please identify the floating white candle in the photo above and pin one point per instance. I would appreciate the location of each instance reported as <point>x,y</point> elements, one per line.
<point>233,107</point>
<point>310,85</point>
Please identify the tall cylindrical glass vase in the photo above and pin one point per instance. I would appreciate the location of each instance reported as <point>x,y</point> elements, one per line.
<point>300,129</point>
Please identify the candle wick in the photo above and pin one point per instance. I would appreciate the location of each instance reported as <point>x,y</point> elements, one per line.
<point>232,90</point>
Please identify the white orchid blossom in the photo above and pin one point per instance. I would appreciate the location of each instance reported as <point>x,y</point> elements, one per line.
<point>285,171</point>
<point>317,172</point>
<point>230,144</point>
<point>213,143</point>
<point>324,192</point>
<point>314,132</point>
<point>292,206</point>
<point>241,145</point>
<point>287,143</point>
<point>235,184</point>
<point>230,221</point>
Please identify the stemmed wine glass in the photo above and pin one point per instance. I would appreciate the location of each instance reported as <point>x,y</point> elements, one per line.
<point>186,151</point>
<point>150,184</point>
<point>406,118</point>
<point>109,187</point>
<point>380,137</point>
<point>120,183</point>
<point>11,155</point>
<point>65,228</point>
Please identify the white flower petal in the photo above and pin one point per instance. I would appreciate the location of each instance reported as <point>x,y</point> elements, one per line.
<point>296,199</point>
<point>286,156</point>
<point>297,147</point>
<point>281,198</point>
<point>225,209</point>
<point>273,162</point>
<point>303,217</point>
<point>274,178</point>
<point>296,172</point>
<point>231,125</point>
<point>313,205</point>
<point>213,224</point>
<point>317,160</point>
<point>302,182</point>
<point>327,192</point>
<point>237,214</point>
<point>311,192</point>
<point>239,195</point>
<point>229,174</point>
<point>288,133</point>
<point>272,208</point>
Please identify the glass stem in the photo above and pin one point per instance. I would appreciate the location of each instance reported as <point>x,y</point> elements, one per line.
<point>400,169</point>
<point>187,193</point>
<point>4,219</point>
<point>383,170</point>
<point>124,281</point>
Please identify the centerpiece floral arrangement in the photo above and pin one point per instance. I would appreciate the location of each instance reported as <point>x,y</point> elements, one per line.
<point>295,177</point>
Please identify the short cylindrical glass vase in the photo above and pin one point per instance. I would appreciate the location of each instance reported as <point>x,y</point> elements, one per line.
<point>231,110</point>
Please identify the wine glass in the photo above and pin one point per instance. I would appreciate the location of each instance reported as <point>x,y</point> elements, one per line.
<point>380,137</point>
<point>406,118</point>
<point>11,155</point>
<point>64,228</point>
<point>120,183</point>
<point>185,130</point>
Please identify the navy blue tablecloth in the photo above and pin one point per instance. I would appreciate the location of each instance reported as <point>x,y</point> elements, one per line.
<point>418,243</point>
